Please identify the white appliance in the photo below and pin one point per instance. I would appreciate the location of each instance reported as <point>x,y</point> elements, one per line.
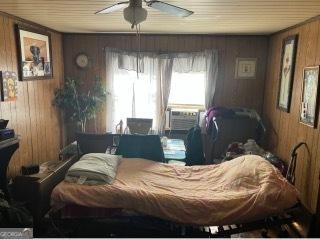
<point>183,120</point>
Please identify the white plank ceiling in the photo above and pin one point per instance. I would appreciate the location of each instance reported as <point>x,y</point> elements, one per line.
<point>211,16</point>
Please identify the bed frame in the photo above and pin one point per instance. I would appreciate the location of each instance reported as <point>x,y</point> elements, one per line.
<point>278,221</point>
<point>275,221</point>
<point>271,221</point>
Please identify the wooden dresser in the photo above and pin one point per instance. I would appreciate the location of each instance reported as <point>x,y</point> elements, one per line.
<point>35,189</point>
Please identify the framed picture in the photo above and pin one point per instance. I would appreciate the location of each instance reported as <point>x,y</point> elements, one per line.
<point>9,86</point>
<point>309,104</point>
<point>34,54</point>
<point>288,59</point>
<point>246,68</point>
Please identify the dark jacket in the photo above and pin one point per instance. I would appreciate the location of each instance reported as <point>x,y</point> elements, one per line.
<point>194,153</point>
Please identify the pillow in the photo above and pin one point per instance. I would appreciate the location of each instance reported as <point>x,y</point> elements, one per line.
<point>94,169</point>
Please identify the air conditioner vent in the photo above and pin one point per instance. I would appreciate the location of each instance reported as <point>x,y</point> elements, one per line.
<point>183,120</point>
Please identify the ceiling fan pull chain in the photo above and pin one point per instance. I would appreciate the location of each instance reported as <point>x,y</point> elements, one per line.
<point>134,18</point>
<point>138,52</point>
<point>139,34</point>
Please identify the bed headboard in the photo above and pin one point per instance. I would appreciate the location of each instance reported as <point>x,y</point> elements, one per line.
<point>93,143</point>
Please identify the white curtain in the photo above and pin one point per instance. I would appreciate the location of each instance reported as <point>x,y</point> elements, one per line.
<point>206,61</point>
<point>211,57</point>
<point>147,96</point>
<point>164,84</point>
<point>131,94</point>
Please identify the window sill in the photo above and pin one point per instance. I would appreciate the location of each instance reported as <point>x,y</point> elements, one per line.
<point>186,107</point>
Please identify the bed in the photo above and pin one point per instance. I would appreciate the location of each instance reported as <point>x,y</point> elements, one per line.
<point>242,190</point>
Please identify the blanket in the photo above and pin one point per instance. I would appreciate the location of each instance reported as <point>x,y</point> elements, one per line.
<point>237,191</point>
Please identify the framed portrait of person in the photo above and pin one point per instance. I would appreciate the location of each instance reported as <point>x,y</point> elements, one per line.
<point>9,86</point>
<point>310,92</point>
<point>288,58</point>
<point>34,54</point>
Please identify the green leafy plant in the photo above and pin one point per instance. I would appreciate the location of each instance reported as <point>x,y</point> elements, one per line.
<point>80,105</point>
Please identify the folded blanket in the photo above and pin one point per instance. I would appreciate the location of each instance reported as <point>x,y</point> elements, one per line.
<point>94,169</point>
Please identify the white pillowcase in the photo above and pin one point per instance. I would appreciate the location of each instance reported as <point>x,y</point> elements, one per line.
<point>94,169</point>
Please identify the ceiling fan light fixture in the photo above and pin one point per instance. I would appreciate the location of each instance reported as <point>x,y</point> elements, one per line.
<point>135,15</point>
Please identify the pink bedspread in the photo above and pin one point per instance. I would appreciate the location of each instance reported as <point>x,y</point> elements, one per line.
<point>240,190</point>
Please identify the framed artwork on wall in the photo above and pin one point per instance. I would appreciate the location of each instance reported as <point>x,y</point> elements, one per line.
<point>246,68</point>
<point>9,86</point>
<point>288,58</point>
<point>34,54</point>
<point>309,104</point>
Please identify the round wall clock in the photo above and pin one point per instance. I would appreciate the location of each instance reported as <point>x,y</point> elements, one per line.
<point>82,60</point>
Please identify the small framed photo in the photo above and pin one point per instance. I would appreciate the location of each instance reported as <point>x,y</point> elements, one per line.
<point>9,86</point>
<point>246,68</point>
<point>309,104</point>
<point>288,58</point>
<point>34,54</point>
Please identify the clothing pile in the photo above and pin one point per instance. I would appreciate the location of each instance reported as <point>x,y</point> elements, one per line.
<point>237,149</point>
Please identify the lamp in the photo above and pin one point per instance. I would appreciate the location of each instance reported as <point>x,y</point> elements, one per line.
<point>135,14</point>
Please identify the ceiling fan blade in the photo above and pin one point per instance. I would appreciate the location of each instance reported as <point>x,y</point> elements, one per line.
<point>170,9</point>
<point>113,8</point>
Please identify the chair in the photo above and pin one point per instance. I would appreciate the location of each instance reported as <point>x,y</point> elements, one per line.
<point>141,146</point>
<point>94,143</point>
<point>194,153</point>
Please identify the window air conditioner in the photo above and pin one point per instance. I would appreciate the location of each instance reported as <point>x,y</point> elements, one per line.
<point>183,120</point>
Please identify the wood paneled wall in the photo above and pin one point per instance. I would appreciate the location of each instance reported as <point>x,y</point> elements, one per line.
<point>284,129</point>
<point>230,92</point>
<point>32,115</point>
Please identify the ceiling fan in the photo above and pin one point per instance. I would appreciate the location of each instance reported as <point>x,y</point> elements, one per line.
<point>135,14</point>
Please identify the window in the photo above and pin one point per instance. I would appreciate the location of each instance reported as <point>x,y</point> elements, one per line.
<point>142,97</point>
<point>187,89</point>
<point>132,97</point>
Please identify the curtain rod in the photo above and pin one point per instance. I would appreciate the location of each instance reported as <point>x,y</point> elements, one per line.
<point>158,52</point>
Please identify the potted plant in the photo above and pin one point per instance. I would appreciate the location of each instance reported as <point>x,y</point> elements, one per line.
<point>80,105</point>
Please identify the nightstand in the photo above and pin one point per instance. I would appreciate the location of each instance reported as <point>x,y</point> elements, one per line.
<point>35,190</point>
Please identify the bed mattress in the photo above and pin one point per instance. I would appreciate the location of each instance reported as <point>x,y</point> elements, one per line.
<point>240,190</point>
